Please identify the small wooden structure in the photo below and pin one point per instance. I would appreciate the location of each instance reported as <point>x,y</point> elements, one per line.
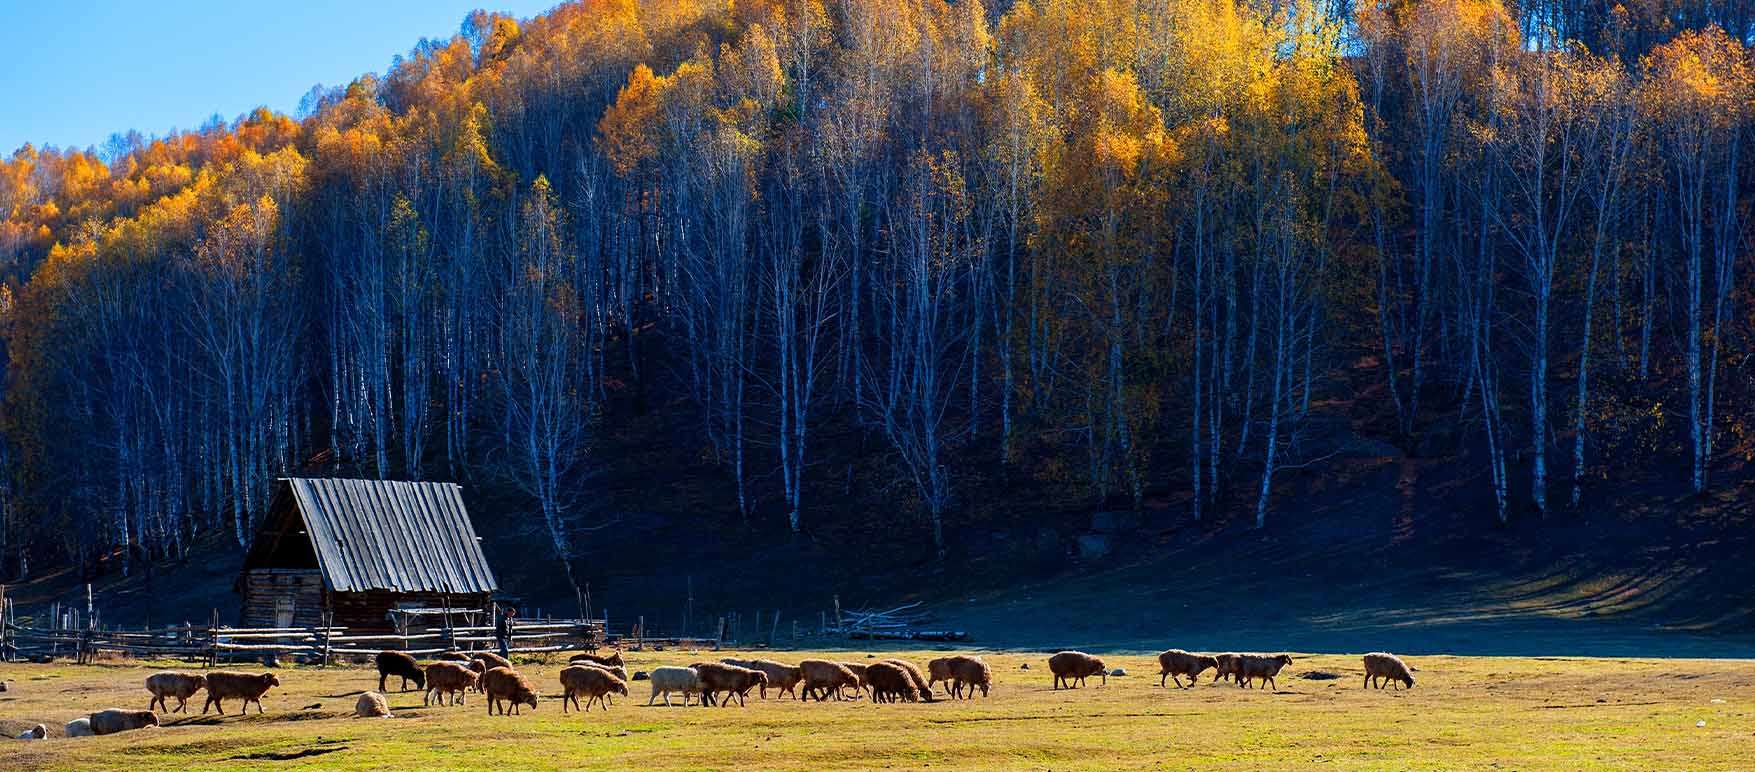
<point>347,553</point>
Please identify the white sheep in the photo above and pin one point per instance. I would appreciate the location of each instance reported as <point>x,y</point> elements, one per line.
<point>80,727</point>
<point>674,679</point>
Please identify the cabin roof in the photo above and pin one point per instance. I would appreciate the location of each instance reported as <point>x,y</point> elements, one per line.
<point>380,535</point>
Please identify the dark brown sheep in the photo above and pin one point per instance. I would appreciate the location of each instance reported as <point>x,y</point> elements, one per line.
<point>920,683</point>
<point>1260,666</point>
<point>1389,667</point>
<point>969,672</point>
<point>594,682</point>
<point>1176,663</point>
<point>449,678</point>
<point>490,660</point>
<point>118,720</point>
<point>890,682</point>
<point>613,660</point>
<point>401,665</point>
<point>174,684</point>
<point>503,684</point>
<point>1075,666</point>
<point>735,681</point>
<point>822,677</point>
<point>455,656</point>
<point>1227,666</point>
<point>225,685</point>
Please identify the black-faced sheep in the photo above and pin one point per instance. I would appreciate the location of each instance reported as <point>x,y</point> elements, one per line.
<point>969,672</point>
<point>611,660</point>
<point>449,678</point>
<point>396,663</point>
<point>225,685</point>
<point>1075,666</point>
<point>1389,667</point>
<point>371,705</point>
<point>594,682</point>
<point>173,684</point>
<point>717,677</point>
<point>38,732</point>
<point>920,683</point>
<point>118,720</point>
<point>683,680</point>
<point>822,677</point>
<point>503,684</point>
<point>890,682</point>
<point>1176,663</point>
<point>1260,666</point>
<point>782,677</point>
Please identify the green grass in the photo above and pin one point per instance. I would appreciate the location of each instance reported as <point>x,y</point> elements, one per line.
<point>1467,713</point>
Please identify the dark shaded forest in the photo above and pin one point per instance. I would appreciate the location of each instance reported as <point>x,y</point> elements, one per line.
<point>1123,249</point>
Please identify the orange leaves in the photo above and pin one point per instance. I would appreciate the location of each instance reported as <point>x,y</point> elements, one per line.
<point>1699,75</point>
<point>624,131</point>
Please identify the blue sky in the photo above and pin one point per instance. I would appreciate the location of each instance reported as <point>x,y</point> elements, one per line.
<point>72,72</point>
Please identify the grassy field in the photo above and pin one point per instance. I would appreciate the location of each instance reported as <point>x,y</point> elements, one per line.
<point>1467,713</point>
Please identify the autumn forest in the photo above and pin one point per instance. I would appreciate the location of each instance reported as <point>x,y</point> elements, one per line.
<point>1131,245</point>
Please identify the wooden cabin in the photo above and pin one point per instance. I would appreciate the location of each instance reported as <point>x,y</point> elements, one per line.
<point>352,551</point>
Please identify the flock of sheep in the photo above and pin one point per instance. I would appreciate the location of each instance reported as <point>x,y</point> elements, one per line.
<point>597,678</point>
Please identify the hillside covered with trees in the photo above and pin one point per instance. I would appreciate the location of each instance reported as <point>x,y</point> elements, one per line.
<point>1123,249</point>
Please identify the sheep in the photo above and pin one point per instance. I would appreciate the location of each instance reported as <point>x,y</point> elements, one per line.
<point>490,660</point>
<point>1070,666</point>
<point>173,684</point>
<point>616,670</point>
<point>890,682</point>
<point>37,732</point>
<point>455,656</point>
<point>371,705</point>
<point>1389,667</point>
<point>939,669</point>
<point>915,676</point>
<point>396,663</point>
<point>733,680</point>
<point>116,720</point>
<point>594,682</point>
<point>505,684</point>
<point>824,677</point>
<point>1226,667</point>
<point>782,677</point>
<point>79,727</point>
<point>1253,666</point>
<point>1176,663</point>
<point>674,679</point>
<point>249,687</point>
<point>613,660</point>
<point>449,678</point>
<point>970,672</point>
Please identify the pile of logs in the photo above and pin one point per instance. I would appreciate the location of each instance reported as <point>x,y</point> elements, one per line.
<point>902,623</point>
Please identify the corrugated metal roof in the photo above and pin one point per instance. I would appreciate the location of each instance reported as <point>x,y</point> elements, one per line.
<point>389,535</point>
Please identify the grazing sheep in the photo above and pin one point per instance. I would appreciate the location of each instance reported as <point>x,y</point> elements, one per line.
<point>1070,666</point>
<point>1226,667</point>
<point>613,660</point>
<point>173,684</point>
<point>970,672</point>
<point>615,670</point>
<point>1253,666</point>
<point>371,705</point>
<point>824,677</point>
<point>914,675</point>
<point>1176,663</point>
<point>858,674</point>
<point>490,660</point>
<point>79,727</point>
<point>735,681</point>
<point>455,656</point>
<point>594,682</point>
<point>782,677</point>
<point>249,687</point>
<point>1389,667</point>
<point>939,669</point>
<point>396,663</point>
<point>117,720</point>
<point>37,732</point>
<point>449,678</point>
<point>674,679</point>
<point>890,682</point>
<point>505,684</point>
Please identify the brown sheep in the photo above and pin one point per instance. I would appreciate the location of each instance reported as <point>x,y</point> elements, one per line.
<point>731,679</point>
<point>1176,663</point>
<point>170,683</point>
<point>890,682</point>
<point>505,684</point>
<point>1253,666</point>
<point>613,660</point>
<point>970,672</point>
<point>1389,667</point>
<point>1226,667</point>
<point>118,720</point>
<point>823,677</point>
<point>483,661</point>
<point>939,669</point>
<point>249,687</point>
<point>396,663</point>
<point>858,675</point>
<point>455,656</point>
<point>782,677</point>
<point>594,682</point>
<point>449,678</point>
<point>615,670</point>
<point>371,705</point>
<point>914,675</point>
<point>1071,666</point>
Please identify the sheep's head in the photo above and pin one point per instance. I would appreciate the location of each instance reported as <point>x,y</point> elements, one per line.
<point>149,718</point>
<point>1202,663</point>
<point>1410,680</point>
<point>621,689</point>
<point>1284,659</point>
<point>526,697</point>
<point>478,666</point>
<point>270,679</point>
<point>761,678</point>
